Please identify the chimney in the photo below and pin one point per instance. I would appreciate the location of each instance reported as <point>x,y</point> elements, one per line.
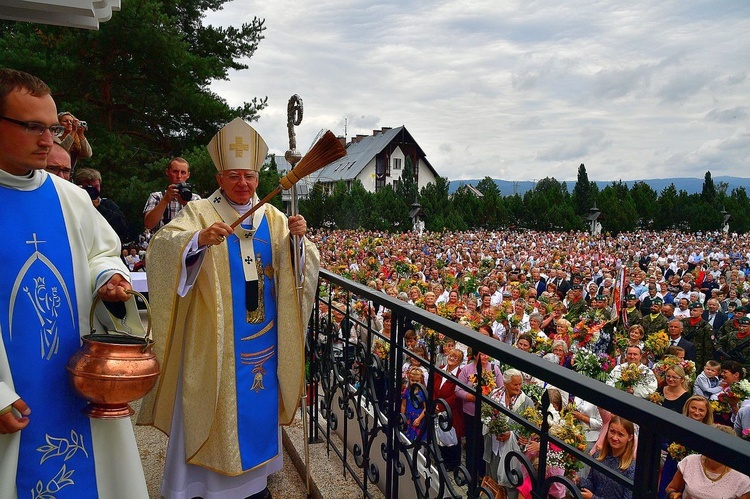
<point>375,133</point>
<point>359,137</point>
<point>342,140</point>
<point>385,128</point>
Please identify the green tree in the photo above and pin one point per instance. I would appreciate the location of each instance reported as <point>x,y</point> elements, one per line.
<point>467,206</point>
<point>491,214</point>
<point>618,208</point>
<point>548,207</point>
<point>584,193</point>
<point>389,212</point>
<point>708,193</point>
<point>407,188</point>
<point>645,199</point>
<point>668,212</point>
<point>141,82</point>
<point>436,204</point>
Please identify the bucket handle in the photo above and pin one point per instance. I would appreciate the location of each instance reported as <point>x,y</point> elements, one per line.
<point>130,292</point>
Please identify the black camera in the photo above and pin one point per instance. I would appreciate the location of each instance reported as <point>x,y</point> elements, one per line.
<point>185,190</point>
<point>83,125</point>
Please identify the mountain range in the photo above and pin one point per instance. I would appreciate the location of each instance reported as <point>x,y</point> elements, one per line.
<point>689,185</point>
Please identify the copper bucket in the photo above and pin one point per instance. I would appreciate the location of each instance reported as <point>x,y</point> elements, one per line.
<point>113,369</point>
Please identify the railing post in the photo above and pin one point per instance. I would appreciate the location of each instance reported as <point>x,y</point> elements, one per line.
<point>648,458</point>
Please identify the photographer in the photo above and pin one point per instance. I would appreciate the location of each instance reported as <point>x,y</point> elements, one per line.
<point>162,207</point>
<point>90,180</point>
<point>73,139</point>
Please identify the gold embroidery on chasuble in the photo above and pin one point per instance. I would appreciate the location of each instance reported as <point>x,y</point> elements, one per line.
<point>257,360</point>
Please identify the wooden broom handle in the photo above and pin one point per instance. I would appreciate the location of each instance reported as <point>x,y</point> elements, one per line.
<point>252,210</point>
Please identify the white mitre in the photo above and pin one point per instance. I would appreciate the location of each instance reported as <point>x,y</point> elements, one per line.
<point>238,146</point>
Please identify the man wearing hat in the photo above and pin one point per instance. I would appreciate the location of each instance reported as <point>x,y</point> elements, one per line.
<point>228,330</point>
<point>698,331</point>
<point>737,345</point>
<point>633,316</point>
<point>576,304</point>
<point>731,326</point>
<point>654,321</point>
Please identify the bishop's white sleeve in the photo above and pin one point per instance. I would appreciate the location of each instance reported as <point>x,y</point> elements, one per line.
<point>192,260</point>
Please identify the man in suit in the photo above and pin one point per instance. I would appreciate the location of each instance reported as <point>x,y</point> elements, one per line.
<point>713,315</point>
<point>539,282</point>
<point>674,329</point>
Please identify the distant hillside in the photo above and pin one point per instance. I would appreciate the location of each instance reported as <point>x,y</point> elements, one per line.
<point>689,185</point>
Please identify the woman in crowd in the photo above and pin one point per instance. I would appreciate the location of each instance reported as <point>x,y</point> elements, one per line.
<point>618,453</point>
<point>675,392</point>
<point>445,389</point>
<point>636,334</point>
<point>493,379</point>
<point>700,477</point>
<point>73,138</point>
<point>731,372</point>
<point>676,398</point>
<point>560,350</point>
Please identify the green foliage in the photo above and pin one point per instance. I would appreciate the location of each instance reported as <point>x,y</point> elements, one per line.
<point>142,83</point>
<point>584,193</point>
<point>619,208</point>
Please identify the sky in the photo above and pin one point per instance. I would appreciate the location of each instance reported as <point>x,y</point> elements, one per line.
<point>513,90</point>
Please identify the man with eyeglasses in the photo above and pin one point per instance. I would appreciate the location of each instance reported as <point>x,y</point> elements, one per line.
<point>229,328</point>
<point>58,161</point>
<point>57,251</point>
<point>162,207</point>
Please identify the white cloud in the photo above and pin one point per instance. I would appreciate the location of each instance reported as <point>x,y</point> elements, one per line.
<point>514,90</point>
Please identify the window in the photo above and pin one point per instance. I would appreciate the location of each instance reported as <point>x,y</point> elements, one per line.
<point>396,163</point>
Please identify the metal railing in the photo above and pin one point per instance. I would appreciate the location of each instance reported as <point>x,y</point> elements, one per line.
<point>357,395</point>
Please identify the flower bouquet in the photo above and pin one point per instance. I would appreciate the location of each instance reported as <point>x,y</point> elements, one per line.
<point>736,393</point>
<point>591,365</point>
<point>534,392</point>
<point>570,431</point>
<point>585,332</point>
<point>542,346</point>
<point>381,350</point>
<point>719,407</point>
<point>532,415</point>
<point>678,452</point>
<point>746,434</point>
<point>656,397</point>
<point>657,344</point>
<point>494,420</point>
<point>488,381</point>
<point>630,377</point>
<point>660,368</point>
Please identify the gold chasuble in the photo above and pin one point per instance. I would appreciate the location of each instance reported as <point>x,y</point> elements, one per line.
<point>198,329</point>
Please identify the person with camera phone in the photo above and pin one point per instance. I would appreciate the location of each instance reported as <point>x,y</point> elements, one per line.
<point>162,207</point>
<point>73,138</point>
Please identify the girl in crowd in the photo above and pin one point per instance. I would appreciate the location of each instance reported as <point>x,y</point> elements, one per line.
<point>414,410</point>
<point>618,453</point>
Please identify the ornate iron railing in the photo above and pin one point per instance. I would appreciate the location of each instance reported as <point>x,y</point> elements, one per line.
<point>357,394</point>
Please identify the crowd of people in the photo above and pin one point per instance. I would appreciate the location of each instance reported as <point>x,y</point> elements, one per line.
<point>661,316</point>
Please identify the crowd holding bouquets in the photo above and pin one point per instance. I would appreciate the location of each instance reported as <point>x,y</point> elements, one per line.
<point>592,365</point>
<point>478,265</point>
